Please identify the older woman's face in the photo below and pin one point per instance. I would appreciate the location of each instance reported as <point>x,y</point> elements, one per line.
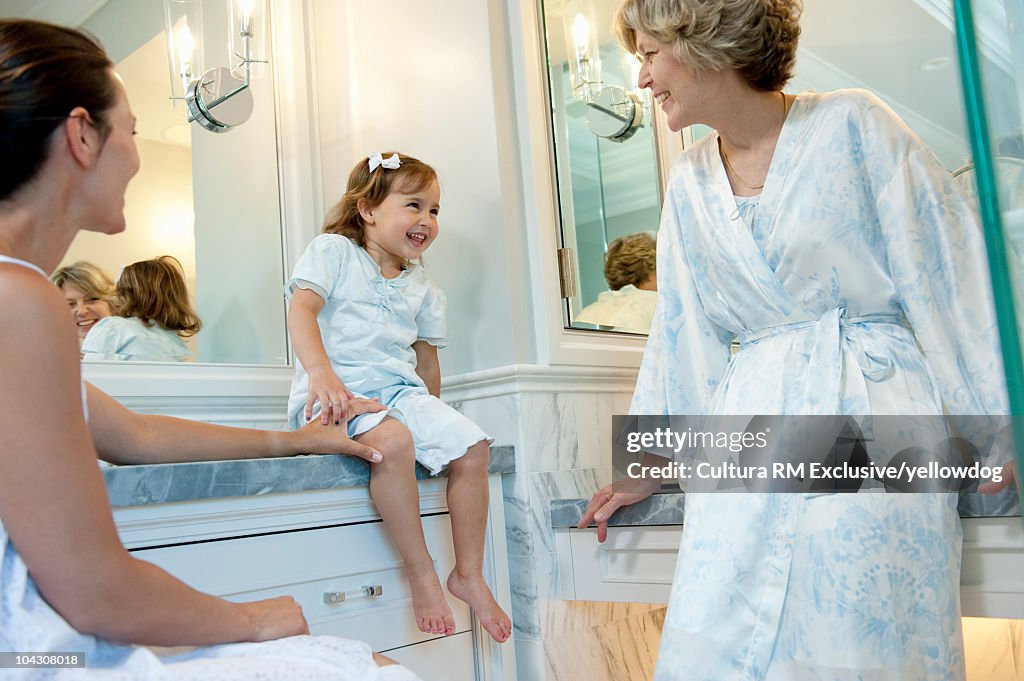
<point>85,310</point>
<point>673,86</point>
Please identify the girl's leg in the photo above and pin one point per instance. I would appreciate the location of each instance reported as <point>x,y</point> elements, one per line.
<point>467,503</point>
<point>394,491</point>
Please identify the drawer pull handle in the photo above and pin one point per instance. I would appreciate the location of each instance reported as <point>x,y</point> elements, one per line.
<point>365,592</point>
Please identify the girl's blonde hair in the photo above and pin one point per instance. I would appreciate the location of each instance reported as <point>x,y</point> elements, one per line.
<point>87,278</point>
<point>758,38</point>
<point>372,188</point>
<point>155,292</point>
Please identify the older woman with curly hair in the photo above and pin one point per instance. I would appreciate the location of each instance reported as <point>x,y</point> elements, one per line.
<point>820,231</point>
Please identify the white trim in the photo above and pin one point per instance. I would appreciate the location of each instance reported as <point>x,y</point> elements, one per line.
<point>191,521</point>
<point>534,378</point>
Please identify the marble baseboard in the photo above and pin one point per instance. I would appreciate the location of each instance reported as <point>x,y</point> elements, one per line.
<point>660,509</point>
<point>168,483</point>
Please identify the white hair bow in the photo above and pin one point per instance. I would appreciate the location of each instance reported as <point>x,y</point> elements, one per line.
<point>377,161</point>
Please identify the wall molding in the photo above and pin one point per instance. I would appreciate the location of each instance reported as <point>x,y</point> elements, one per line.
<point>536,378</point>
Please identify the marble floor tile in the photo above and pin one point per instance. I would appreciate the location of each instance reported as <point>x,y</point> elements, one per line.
<point>631,645</point>
<point>987,652</point>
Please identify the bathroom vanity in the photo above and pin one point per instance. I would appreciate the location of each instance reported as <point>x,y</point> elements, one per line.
<point>306,527</point>
<point>637,562</point>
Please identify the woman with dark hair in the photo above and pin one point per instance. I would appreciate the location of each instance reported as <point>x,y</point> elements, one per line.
<point>820,231</point>
<point>153,316</point>
<point>66,581</point>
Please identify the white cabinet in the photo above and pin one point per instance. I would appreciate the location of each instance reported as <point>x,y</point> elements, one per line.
<point>316,546</point>
<point>325,570</point>
<point>636,564</point>
<point>443,659</point>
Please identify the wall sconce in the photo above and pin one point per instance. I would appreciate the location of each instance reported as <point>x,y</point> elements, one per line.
<point>581,38</point>
<point>218,99</point>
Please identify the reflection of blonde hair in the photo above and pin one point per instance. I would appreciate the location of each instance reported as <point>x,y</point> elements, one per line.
<point>154,291</point>
<point>372,187</point>
<point>630,260</point>
<point>758,38</point>
<point>87,278</point>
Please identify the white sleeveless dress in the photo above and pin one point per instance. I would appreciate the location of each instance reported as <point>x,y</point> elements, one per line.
<point>29,624</point>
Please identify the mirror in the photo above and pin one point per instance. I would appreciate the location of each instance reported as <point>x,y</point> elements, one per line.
<point>605,161</point>
<point>211,201</point>
<point>615,114</point>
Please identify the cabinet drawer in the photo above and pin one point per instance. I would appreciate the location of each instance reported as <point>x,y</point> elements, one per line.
<point>443,659</point>
<point>308,564</point>
<point>635,565</point>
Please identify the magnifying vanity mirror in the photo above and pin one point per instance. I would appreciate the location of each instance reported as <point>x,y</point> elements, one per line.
<point>615,114</point>
<point>211,201</point>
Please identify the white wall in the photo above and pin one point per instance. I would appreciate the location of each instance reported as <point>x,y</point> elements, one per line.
<point>424,86</point>
<point>158,212</point>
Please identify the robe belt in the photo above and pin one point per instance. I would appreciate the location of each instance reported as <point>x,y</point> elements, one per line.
<point>838,338</point>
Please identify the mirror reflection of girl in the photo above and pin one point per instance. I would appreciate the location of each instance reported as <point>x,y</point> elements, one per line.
<point>88,291</point>
<point>366,320</point>
<point>153,316</point>
<point>66,581</point>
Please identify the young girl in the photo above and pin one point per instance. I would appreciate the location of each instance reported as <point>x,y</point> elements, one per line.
<point>366,321</point>
<point>153,315</point>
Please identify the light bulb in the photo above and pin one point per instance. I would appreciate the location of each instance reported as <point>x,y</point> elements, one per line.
<point>580,33</point>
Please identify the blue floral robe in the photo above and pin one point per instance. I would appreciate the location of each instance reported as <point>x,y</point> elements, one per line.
<point>862,288</point>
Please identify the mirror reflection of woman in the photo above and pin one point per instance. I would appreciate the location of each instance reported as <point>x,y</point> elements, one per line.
<point>822,232</point>
<point>88,291</point>
<point>630,268</point>
<point>67,584</point>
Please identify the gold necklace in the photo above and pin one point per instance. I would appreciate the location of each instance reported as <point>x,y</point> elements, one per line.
<point>725,156</point>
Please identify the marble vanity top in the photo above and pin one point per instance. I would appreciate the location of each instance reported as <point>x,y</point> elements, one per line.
<point>170,482</point>
<point>664,508</point>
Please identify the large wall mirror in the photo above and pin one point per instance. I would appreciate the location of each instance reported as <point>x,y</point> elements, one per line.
<point>211,201</point>
<point>606,164</point>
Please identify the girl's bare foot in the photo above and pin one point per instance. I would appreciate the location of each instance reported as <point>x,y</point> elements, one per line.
<point>433,616</point>
<point>474,591</point>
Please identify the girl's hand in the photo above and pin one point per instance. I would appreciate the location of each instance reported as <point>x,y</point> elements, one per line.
<point>610,498</point>
<point>326,388</point>
<point>275,618</point>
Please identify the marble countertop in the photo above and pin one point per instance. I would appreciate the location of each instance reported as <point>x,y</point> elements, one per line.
<point>663,508</point>
<point>171,482</point>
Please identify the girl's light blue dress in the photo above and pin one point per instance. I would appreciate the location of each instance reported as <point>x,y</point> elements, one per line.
<point>857,284</point>
<point>368,324</point>
<point>29,624</point>
<point>129,338</point>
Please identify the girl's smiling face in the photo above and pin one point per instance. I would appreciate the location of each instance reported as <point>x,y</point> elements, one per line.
<point>402,227</point>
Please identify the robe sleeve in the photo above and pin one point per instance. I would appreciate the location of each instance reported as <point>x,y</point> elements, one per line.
<point>686,353</point>
<point>937,260</point>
